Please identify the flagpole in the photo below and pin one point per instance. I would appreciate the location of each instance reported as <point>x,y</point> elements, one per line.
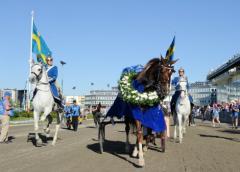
<point>30,62</point>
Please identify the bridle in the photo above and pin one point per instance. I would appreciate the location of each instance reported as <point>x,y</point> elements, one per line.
<point>159,81</point>
<point>39,76</point>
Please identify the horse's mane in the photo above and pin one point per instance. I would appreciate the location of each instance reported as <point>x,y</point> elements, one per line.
<point>147,76</point>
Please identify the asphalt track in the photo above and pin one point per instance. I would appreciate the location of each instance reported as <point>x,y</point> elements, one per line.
<point>204,149</point>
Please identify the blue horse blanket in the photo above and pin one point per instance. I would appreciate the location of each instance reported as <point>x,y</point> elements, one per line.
<point>151,117</point>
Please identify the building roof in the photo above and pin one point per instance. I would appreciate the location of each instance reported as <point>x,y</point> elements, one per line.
<point>233,62</point>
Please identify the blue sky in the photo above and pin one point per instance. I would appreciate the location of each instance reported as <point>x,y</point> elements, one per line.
<point>98,39</point>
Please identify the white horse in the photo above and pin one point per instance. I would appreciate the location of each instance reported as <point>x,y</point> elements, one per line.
<point>183,109</point>
<point>43,101</point>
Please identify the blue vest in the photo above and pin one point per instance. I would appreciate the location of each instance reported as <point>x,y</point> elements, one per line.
<point>3,108</point>
<point>75,110</point>
<point>52,72</point>
<point>68,111</point>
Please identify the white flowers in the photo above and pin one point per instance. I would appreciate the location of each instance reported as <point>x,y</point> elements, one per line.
<point>130,95</point>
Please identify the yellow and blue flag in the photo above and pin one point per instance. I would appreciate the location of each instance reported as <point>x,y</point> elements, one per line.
<point>39,46</point>
<point>170,51</point>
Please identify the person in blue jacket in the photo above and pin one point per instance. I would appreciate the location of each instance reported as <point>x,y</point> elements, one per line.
<point>75,115</point>
<point>175,82</point>
<point>68,114</point>
<point>52,72</point>
<point>5,113</point>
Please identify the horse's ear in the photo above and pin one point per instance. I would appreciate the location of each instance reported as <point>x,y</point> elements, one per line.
<point>173,62</point>
<point>163,60</point>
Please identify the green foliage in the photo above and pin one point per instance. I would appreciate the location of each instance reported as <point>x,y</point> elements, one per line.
<point>90,116</point>
<point>23,114</point>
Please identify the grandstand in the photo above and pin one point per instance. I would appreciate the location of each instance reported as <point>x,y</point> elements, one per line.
<point>226,80</point>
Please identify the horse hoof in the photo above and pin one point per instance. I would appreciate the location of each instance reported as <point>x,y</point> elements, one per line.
<point>47,131</point>
<point>141,162</point>
<point>37,143</point>
<point>145,149</point>
<point>53,143</point>
<point>135,153</point>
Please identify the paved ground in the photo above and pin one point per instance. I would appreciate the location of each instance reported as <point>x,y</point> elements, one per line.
<point>204,149</point>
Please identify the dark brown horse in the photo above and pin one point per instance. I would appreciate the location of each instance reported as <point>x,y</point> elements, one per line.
<point>155,76</point>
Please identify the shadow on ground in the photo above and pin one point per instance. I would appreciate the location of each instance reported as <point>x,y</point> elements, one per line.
<point>10,138</point>
<point>91,127</point>
<point>220,137</point>
<point>232,131</point>
<point>116,148</point>
<point>44,140</point>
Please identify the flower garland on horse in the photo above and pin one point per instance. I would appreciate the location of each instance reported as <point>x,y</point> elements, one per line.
<point>141,89</point>
<point>131,95</point>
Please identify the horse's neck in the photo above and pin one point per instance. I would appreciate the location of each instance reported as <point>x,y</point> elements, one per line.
<point>43,84</point>
<point>44,78</point>
<point>183,99</point>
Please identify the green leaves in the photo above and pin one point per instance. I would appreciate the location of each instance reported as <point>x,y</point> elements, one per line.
<point>130,95</point>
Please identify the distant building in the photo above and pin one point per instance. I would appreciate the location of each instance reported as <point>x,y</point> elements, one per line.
<point>226,80</point>
<point>105,97</point>
<point>18,96</point>
<point>201,93</point>
<point>79,99</point>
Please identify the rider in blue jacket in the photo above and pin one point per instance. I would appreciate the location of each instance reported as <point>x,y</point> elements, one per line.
<point>175,82</point>
<point>52,72</point>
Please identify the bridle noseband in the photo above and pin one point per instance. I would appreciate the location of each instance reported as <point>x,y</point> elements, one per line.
<point>39,77</point>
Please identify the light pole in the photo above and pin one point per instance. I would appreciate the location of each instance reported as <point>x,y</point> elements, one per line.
<point>92,84</point>
<point>25,96</point>
<point>74,94</point>
<point>62,63</point>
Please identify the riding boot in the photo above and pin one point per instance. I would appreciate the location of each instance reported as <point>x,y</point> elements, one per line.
<point>59,105</point>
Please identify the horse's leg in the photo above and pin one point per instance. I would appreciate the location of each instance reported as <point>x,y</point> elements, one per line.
<point>167,126</point>
<point>184,124</point>
<point>36,127</point>
<point>148,139</point>
<point>180,127</point>
<point>175,126</point>
<point>47,129</point>
<point>59,120</point>
<point>135,150</point>
<point>141,162</point>
<point>127,129</point>
<point>44,115</point>
<point>163,140</point>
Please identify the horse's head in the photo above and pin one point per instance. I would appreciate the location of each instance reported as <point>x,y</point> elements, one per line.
<point>182,84</point>
<point>166,70</point>
<point>156,75</point>
<point>36,73</point>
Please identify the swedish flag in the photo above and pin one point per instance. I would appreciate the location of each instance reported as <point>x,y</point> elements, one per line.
<point>170,51</point>
<point>39,46</point>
